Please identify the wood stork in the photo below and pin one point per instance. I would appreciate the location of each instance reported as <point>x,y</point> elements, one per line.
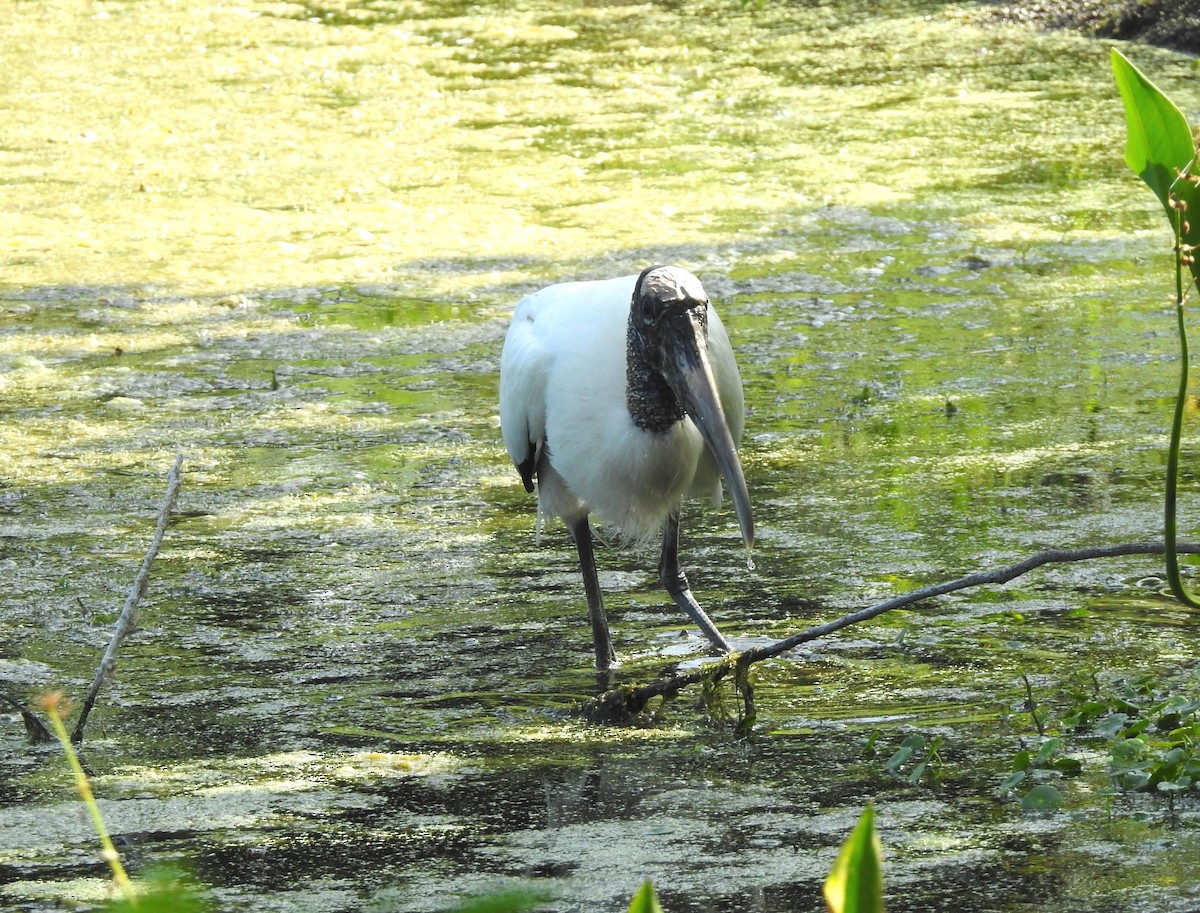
<point>619,397</point>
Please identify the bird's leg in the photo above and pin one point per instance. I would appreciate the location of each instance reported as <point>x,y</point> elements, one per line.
<point>601,639</point>
<point>673,578</point>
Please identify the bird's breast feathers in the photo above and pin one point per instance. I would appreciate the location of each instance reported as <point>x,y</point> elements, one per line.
<point>563,380</point>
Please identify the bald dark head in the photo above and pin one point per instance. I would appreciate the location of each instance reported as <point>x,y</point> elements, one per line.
<point>663,290</point>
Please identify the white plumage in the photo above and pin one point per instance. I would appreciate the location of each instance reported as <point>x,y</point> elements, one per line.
<point>562,379</point>
<point>567,416</point>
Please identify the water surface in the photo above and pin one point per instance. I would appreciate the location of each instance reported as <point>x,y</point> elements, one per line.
<point>284,240</point>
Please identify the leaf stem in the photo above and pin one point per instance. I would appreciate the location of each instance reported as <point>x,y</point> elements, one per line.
<point>1170,511</point>
<point>84,787</point>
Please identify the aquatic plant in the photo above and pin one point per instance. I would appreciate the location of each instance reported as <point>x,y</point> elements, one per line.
<point>645,900</point>
<point>164,889</point>
<point>1149,728</point>
<point>1152,728</point>
<point>855,884</point>
<point>1038,766</point>
<point>1160,150</point>
<point>516,900</point>
<point>52,705</point>
<point>916,757</point>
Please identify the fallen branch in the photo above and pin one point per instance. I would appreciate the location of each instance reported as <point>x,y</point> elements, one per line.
<point>127,621</point>
<point>622,704</point>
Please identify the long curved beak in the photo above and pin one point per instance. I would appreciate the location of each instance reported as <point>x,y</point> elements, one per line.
<point>690,376</point>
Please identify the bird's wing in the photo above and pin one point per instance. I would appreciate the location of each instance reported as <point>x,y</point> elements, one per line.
<point>524,367</point>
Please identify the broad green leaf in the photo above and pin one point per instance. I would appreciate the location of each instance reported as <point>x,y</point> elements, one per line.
<point>1012,781</point>
<point>1128,752</point>
<point>1112,724</point>
<point>1047,749</point>
<point>1171,786</point>
<point>1133,779</point>
<point>855,884</point>
<point>1159,142</point>
<point>1136,728</point>
<point>903,753</point>
<point>1068,767</point>
<point>645,900</point>
<point>1159,146</point>
<point>1042,798</point>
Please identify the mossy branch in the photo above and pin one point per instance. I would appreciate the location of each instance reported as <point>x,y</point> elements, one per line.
<point>621,705</point>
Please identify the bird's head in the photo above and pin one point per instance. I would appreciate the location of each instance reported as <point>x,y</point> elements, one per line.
<point>668,319</point>
<point>666,293</point>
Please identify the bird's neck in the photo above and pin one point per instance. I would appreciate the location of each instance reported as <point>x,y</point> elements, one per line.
<point>652,404</point>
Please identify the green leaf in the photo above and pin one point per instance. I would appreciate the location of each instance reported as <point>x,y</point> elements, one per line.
<point>1068,767</point>
<point>645,900</point>
<point>1042,798</point>
<point>1011,782</point>
<point>855,885</point>
<point>1159,142</point>
<point>1174,755</point>
<point>869,748</point>
<point>1048,748</point>
<point>1133,779</point>
<point>896,761</point>
<point>1129,752</point>
<point>1185,736</point>
<point>162,889</point>
<point>1159,147</point>
<point>1112,724</point>
<point>516,901</point>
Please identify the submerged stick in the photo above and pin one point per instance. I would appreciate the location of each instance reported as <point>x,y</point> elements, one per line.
<point>127,620</point>
<point>623,703</point>
<point>34,728</point>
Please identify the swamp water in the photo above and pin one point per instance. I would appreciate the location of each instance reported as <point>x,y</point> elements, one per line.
<point>284,240</point>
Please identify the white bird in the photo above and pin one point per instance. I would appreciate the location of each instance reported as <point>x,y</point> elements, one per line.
<point>620,397</point>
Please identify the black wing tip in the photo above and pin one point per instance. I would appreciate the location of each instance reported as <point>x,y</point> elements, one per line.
<point>527,468</point>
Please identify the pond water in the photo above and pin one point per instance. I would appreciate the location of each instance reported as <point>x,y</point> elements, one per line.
<point>284,239</point>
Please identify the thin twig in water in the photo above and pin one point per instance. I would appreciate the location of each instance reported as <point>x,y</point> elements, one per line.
<point>1031,705</point>
<point>625,702</point>
<point>127,620</point>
